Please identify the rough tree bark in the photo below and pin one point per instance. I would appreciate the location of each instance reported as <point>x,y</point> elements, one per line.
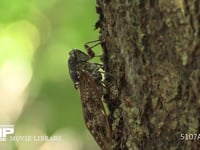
<point>152,69</point>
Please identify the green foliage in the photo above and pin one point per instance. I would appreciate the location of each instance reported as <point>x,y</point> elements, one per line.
<point>35,38</point>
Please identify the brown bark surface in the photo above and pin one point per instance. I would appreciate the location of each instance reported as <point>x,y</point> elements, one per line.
<point>152,72</point>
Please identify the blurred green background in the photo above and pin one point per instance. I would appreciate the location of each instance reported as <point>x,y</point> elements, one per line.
<point>36,93</point>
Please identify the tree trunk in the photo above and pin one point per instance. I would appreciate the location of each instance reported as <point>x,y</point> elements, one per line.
<point>152,72</point>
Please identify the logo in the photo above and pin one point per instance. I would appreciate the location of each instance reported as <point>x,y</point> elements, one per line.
<point>6,130</point>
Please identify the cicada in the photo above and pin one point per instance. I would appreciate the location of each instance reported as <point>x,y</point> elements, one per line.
<point>87,79</point>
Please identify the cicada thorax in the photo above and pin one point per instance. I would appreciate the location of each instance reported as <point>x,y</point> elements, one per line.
<point>79,61</point>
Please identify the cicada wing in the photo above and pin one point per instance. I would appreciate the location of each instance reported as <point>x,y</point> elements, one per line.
<point>93,111</point>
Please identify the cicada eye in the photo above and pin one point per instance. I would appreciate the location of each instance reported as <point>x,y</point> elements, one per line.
<point>71,54</point>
